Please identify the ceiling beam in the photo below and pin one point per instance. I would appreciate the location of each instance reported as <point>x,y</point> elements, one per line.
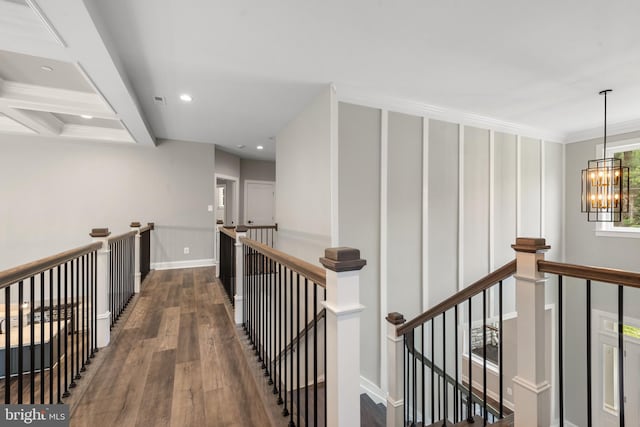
<point>40,122</point>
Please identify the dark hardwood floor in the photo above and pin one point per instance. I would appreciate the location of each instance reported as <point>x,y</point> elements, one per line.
<point>176,362</point>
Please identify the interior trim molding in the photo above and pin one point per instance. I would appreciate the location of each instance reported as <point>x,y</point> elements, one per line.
<point>354,95</point>
<point>171,265</point>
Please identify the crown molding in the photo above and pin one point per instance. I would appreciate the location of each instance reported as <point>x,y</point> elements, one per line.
<point>597,132</point>
<point>357,96</point>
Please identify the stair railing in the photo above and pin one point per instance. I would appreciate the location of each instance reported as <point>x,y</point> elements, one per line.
<point>304,332</point>
<point>56,313</point>
<point>419,386</point>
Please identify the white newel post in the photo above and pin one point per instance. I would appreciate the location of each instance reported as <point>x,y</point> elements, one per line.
<point>217,247</point>
<point>103,327</point>
<point>241,231</point>
<point>343,335</point>
<point>395,371</point>
<point>532,395</point>
<point>135,226</point>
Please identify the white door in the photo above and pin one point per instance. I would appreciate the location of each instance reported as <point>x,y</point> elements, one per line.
<point>259,203</point>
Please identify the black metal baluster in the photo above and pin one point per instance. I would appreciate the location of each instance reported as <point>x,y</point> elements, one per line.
<point>81,299</point>
<point>72,384</point>
<point>500,350</point>
<point>405,358</point>
<point>95,303</point>
<point>456,389</point>
<point>269,312</point>
<point>484,355</point>
<point>66,330</point>
<point>291,338</point>
<point>280,352</point>
<point>433,365</point>
<point>306,349</point>
<point>621,396</point>
<point>589,350</point>
<point>414,398</point>
<point>42,339</point>
<point>315,355</point>
<point>283,354</point>
<point>325,360</point>
<point>78,355</point>
<point>51,276</point>
<point>59,349</point>
<point>20,339</point>
<point>32,356</point>
<point>444,368</point>
<point>423,363</point>
<point>298,345</point>
<point>470,394</point>
<point>7,345</point>
<point>560,356</point>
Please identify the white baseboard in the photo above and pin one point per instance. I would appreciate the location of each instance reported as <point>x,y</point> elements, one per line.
<point>182,264</point>
<point>373,391</point>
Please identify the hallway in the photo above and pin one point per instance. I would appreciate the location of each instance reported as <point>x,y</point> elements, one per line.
<point>176,362</point>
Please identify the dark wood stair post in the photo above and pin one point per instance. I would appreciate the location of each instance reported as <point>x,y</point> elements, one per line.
<point>343,335</point>
<point>395,371</point>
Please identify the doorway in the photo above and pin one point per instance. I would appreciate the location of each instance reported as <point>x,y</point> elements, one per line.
<point>226,199</point>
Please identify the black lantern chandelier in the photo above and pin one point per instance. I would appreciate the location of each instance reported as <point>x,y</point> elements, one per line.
<point>605,184</point>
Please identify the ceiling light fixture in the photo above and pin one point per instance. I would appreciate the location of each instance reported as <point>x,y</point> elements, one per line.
<point>185,97</point>
<point>241,146</point>
<point>605,184</point>
<point>46,68</point>
<point>260,147</point>
<point>86,116</point>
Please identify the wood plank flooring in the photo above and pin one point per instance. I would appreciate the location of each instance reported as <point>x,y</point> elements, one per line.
<point>176,362</point>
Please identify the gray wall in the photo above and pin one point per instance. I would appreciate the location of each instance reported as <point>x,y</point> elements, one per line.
<point>259,170</point>
<point>359,217</point>
<point>227,164</point>
<point>506,185</point>
<point>54,192</point>
<point>303,180</point>
<point>584,247</point>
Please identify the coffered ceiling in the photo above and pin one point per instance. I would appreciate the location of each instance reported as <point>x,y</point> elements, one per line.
<point>250,66</point>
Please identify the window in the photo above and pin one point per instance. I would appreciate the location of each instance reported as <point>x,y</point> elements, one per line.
<point>629,153</point>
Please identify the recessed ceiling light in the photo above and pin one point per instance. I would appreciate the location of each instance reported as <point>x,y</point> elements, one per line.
<point>186,97</point>
<point>46,68</point>
<point>241,146</point>
<point>86,116</point>
<point>260,147</point>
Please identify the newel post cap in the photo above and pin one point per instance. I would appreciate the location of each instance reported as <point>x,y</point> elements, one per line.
<point>242,229</point>
<point>100,232</point>
<point>530,244</point>
<point>219,222</point>
<point>342,259</point>
<point>396,318</point>
<point>135,224</point>
<point>229,227</point>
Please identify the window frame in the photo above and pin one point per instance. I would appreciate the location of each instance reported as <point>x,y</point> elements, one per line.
<point>608,229</point>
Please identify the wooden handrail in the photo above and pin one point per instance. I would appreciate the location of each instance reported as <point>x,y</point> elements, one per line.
<point>122,236</point>
<point>14,275</point>
<point>472,290</point>
<point>231,232</point>
<point>599,274</point>
<point>145,229</point>
<point>312,272</point>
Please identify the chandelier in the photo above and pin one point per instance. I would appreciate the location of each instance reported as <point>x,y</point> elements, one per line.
<point>605,184</point>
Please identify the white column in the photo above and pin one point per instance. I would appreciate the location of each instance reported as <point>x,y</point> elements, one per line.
<point>135,226</point>
<point>103,327</point>
<point>343,336</point>
<point>241,231</point>
<point>395,371</point>
<point>532,395</point>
